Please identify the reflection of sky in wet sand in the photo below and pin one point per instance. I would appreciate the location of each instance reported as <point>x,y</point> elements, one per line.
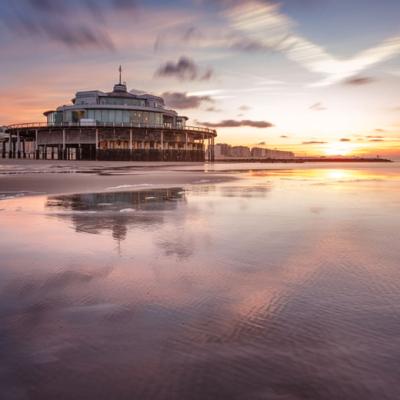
<point>281,285</point>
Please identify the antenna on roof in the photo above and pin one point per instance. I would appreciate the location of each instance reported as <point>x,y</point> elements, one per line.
<point>120,74</point>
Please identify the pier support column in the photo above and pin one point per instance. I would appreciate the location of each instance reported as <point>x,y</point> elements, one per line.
<point>63,145</point>
<point>12,146</point>
<point>162,145</point>
<point>18,145</point>
<point>202,147</point>
<point>23,149</point>
<point>186,146</point>
<point>97,143</point>
<point>36,145</point>
<point>130,144</point>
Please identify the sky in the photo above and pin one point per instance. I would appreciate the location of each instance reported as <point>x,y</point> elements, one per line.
<point>311,76</point>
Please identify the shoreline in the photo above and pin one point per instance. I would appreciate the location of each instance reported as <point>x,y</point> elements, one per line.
<point>303,160</point>
<point>27,178</point>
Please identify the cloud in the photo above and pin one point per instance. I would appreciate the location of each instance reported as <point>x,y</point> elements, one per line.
<point>261,144</point>
<point>284,136</point>
<point>314,142</point>
<point>380,130</point>
<point>317,107</point>
<point>183,100</point>
<point>244,108</point>
<point>376,140</point>
<point>247,45</point>
<point>230,123</point>
<point>184,69</point>
<point>125,4</point>
<point>75,24</point>
<point>46,5</point>
<point>191,33</point>
<point>71,6</point>
<point>263,25</point>
<point>208,74</point>
<point>183,35</point>
<point>359,81</point>
<point>374,137</point>
<point>213,109</point>
<point>345,140</point>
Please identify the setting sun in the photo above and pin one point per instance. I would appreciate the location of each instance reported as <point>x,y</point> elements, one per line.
<point>339,149</point>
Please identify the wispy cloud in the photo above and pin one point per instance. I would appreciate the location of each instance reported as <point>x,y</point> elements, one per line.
<point>314,142</point>
<point>265,24</point>
<point>75,24</point>
<point>359,81</point>
<point>213,109</point>
<point>317,107</point>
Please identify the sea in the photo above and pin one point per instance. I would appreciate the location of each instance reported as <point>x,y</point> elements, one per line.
<point>282,283</point>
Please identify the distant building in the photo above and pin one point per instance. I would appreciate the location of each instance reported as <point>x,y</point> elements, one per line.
<point>225,151</point>
<point>258,152</point>
<point>279,154</point>
<point>240,152</point>
<point>222,150</point>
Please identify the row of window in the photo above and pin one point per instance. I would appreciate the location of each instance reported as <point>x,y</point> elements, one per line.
<point>122,101</point>
<point>113,116</point>
<point>124,116</point>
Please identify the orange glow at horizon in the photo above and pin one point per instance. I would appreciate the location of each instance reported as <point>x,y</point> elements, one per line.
<point>340,149</point>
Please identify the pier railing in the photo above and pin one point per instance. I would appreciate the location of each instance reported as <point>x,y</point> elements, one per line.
<point>37,125</point>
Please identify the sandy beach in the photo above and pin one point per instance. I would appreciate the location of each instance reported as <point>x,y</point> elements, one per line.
<point>56,177</point>
<point>199,281</point>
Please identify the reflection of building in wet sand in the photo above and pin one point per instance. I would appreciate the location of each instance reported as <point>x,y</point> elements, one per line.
<point>97,212</point>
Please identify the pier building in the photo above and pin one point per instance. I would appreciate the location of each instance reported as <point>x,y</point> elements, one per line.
<point>120,125</point>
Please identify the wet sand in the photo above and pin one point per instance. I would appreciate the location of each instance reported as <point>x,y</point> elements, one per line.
<point>52,177</point>
<point>271,284</point>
